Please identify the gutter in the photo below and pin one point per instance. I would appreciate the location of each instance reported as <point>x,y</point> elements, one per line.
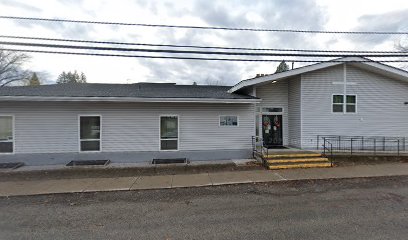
<point>125,99</point>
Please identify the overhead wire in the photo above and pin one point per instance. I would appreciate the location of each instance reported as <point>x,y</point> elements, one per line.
<point>204,27</point>
<point>189,46</point>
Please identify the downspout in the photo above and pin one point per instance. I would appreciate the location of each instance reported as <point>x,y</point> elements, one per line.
<point>344,87</point>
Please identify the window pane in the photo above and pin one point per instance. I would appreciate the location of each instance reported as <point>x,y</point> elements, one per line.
<point>6,128</point>
<point>257,125</point>
<point>6,147</point>
<point>168,144</point>
<point>351,99</point>
<point>272,110</point>
<point>228,121</point>
<point>168,127</point>
<point>337,98</point>
<point>337,107</point>
<point>90,145</point>
<point>90,127</point>
<point>351,108</point>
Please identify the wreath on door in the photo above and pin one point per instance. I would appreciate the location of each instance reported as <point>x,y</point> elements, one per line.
<point>276,121</point>
<point>266,121</point>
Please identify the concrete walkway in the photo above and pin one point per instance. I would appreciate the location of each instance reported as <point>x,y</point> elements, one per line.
<point>37,187</point>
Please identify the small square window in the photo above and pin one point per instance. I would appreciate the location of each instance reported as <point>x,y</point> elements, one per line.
<point>228,121</point>
<point>338,105</point>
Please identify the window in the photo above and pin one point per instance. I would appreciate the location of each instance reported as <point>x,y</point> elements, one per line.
<point>228,120</point>
<point>272,109</point>
<point>338,103</point>
<point>90,133</point>
<point>351,103</point>
<point>6,134</point>
<point>257,116</point>
<point>169,133</point>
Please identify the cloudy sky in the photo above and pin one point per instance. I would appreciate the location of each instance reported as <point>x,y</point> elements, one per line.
<point>345,15</point>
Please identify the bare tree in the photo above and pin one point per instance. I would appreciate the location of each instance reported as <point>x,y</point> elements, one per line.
<point>11,70</point>
<point>401,47</point>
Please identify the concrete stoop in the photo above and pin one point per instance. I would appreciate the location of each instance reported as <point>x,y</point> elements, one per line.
<point>296,160</point>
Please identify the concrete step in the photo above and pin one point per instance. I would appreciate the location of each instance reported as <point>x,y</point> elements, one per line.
<point>298,160</point>
<point>300,165</point>
<point>292,155</point>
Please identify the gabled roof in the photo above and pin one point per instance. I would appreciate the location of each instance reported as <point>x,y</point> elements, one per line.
<point>139,92</point>
<point>358,61</point>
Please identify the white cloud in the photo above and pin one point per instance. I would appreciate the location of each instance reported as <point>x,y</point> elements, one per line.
<point>329,15</point>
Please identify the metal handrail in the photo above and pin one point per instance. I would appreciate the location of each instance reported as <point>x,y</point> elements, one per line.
<point>328,147</point>
<point>258,148</point>
<point>365,144</point>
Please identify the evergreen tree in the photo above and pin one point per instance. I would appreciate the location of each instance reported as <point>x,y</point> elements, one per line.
<point>71,77</point>
<point>34,80</point>
<point>282,67</point>
<point>82,78</point>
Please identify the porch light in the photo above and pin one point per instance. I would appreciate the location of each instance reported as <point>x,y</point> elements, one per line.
<point>275,82</point>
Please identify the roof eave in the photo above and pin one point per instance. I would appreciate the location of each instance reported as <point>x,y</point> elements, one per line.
<point>125,99</point>
<point>250,82</point>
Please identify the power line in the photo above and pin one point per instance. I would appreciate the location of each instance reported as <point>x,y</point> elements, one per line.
<point>26,44</point>
<point>194,58</point>
<point>206,28</point>
<point>189,46</point>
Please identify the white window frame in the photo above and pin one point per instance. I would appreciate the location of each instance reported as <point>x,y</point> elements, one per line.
<point>219,120</point>
<point>344,104</point>
<point>332,103</point>
<point>260,114</point>
<point>355,104</point>
<point>272,113</point>
<point>100,133</point>
<point>178,133</point>
<point>13,134</point>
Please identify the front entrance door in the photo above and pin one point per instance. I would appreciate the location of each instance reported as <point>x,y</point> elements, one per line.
<point>272,130</point>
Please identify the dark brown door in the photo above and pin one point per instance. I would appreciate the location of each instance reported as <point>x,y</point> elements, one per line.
<point>272,130</point>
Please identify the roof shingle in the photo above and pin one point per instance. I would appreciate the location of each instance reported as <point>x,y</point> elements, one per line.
<point>137,90</point>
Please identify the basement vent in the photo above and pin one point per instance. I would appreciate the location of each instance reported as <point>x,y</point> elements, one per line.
<point>11,165</point>
<point>88,163</point>
<point>169,160</point>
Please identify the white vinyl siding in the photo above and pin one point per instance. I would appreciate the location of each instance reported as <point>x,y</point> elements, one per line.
<point>381,110</point>
<point>53,127</point>
<point>275,95</point>
<point>294,113</point>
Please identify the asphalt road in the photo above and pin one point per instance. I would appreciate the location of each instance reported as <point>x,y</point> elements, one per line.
<point>326,209</point>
